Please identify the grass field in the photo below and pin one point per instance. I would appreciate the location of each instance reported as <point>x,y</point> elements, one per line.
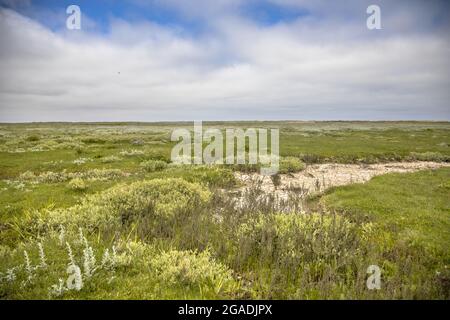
<point>106,199</point>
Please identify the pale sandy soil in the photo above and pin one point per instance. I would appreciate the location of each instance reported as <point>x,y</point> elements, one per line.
<point>319,177</point>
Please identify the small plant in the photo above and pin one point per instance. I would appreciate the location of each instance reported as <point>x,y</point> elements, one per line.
<point>58,177</point>
<point>11,275</point>
<point>33,138</point>
<point>57,290</point>
<point>77,184</point>
<point>106,259</point>
<point>110,159</point>
<point>81,161</point>
<point>190,268</point>
<point>27,175</point>
<point>276,180</point>
<point>153,165</point>
<point>429,156</point>
<point>61,235</point>
<point>88,260</point>
<point>290,165</point>
<point>42,258</point>
<point>132,153</point>
<point>137,142</point>
<point>311,158</point>
<point>28,267</point>
<point>70,254</point>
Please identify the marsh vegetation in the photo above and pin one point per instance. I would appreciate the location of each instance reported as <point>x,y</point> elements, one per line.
<point>106,198</point>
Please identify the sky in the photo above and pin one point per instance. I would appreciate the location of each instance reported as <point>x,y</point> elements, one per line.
<point>172,60</point>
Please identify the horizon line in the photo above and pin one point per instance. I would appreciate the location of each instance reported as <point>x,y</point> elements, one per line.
<point>212,121</point>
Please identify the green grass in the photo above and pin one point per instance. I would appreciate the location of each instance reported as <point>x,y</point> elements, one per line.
<point>414,208</point>
<point>351,145</point>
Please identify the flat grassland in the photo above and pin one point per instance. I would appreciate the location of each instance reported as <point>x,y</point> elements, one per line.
<point>104,199</point>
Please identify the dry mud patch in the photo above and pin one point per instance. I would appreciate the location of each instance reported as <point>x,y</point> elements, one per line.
<point>317,178</point>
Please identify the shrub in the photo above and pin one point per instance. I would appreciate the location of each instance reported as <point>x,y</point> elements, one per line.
<point>93,140</point>
<point>81,161</point>
<point>27,176</point>
<point>57,177</point>
<point>110,159</point>
<point>161,197</point>
<point>210,175</point>
<point>291,164</point>
<point>100,174</point>
<point>77,184</point>
<point>311,158</point>
<point>153,165</point>
<point>33,138</point>
<point>137,142</point>
<point>72,145</point>
<point>51,177</point>
<point>37,269</point>
<point>429,156</point>
<point>291,238</point>
<point>189,268</point>
<point>132,153</point>
<point>303,252</point>
<point>276,180</point>
<point>247,168</point>
<point>157,200</point>
<point>79,150</point>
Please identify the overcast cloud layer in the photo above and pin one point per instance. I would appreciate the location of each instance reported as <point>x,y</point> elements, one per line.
<point>321,64</point>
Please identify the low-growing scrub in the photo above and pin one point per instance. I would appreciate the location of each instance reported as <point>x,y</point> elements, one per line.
<point>132,153</point>
<point>210,175</point>
<point>428,156</point>
<point>153,165</point>
<point>188,268</point>
<point>33,138</point>
<point>111,159</point>
<point>58,177</point>
<point>77,184</point>
<point>290,165</point>
<point>155,201</point>
<point>58,265</point>
<point>81,161</point>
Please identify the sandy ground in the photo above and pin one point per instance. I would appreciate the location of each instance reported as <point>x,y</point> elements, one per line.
<point>319,177</point>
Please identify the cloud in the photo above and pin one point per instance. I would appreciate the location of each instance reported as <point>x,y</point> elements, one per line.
<point>311,68</point>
